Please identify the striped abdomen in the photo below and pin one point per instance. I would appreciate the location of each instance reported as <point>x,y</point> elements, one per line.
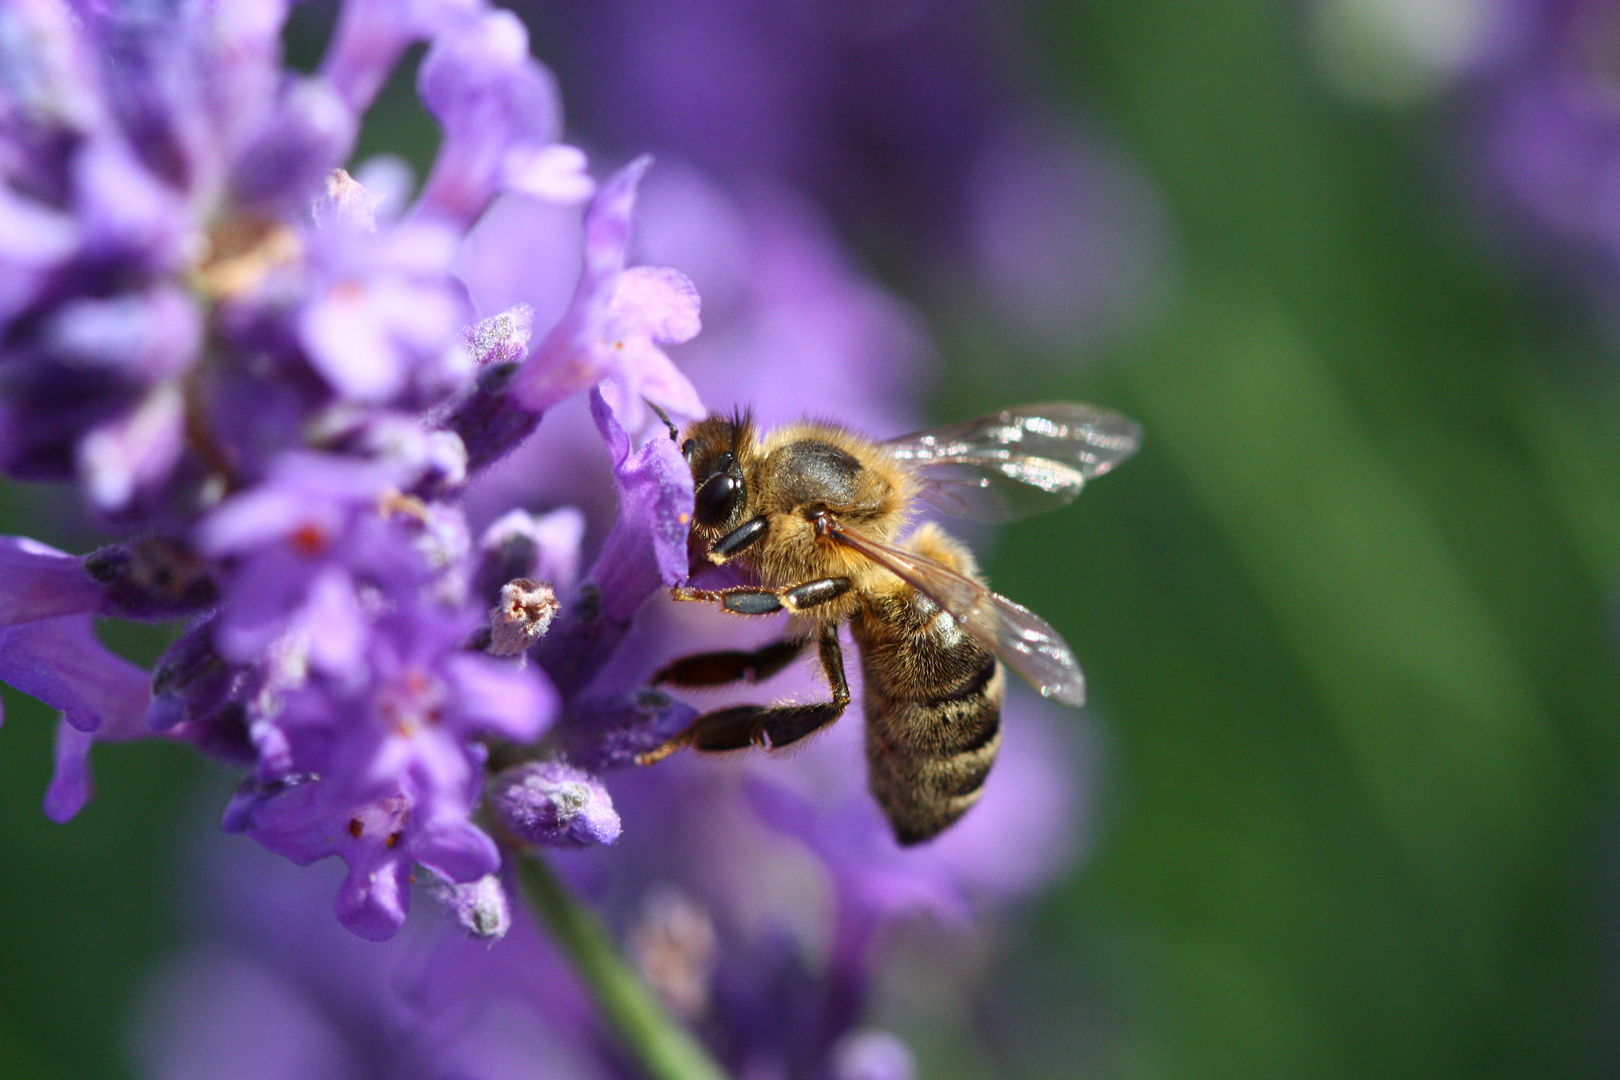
<point>933,712</point>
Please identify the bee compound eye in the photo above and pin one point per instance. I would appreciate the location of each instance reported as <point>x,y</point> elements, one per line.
<point>716,499</point>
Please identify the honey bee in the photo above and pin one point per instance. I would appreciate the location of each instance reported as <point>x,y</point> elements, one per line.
<point>812,514</point>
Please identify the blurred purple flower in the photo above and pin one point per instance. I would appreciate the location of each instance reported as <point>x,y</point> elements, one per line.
<point>277,990</point>
<point>384,768</point>
<point>1548,123</point>
<point>909,119</point>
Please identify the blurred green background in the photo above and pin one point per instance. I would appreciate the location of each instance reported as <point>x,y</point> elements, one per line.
<point>1348,622</point>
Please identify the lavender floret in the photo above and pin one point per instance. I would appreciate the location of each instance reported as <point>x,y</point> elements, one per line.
<point>553,804</point>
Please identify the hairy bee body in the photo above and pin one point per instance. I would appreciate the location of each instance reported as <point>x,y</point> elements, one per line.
<point>933,700</point>
<point>814,516</point>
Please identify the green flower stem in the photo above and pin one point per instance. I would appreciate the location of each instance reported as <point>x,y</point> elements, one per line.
<point>663,1046</point>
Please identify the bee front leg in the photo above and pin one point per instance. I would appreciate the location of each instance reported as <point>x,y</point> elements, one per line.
<point>749,600</point>
<point>742,726</point>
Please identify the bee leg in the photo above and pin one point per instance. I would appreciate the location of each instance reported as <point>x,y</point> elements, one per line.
<point>748,600</point>
<point>718,668</point>
<point>742,726</point>
<point>743,536</point>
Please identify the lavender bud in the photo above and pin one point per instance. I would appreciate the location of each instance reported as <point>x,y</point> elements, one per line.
<point>488,420</point>
<point>154,577</point>
<point>551,804</point>
<point>480,907</point>
<point>522,617</point>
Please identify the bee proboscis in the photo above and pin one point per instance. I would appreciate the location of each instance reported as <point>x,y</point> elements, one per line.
<point>811,513</point>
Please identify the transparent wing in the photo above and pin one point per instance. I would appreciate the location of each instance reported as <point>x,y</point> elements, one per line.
<point>1020,461</point>
<point>1022,639</point>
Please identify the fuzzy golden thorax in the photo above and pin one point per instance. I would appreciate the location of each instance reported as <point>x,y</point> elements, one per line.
<point>789,477</point>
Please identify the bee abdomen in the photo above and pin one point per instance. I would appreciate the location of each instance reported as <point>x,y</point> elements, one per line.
<point>932,737</point>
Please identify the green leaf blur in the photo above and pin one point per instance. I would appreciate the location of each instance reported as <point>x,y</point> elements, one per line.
<point>1346,618</point>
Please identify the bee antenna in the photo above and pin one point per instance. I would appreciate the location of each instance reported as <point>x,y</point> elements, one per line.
<point>674,432</point>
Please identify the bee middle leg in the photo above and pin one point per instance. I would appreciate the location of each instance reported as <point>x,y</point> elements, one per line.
<point>742,726</point>
<point>719,668</point>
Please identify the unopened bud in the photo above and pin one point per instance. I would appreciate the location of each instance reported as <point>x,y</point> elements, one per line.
<point>553,804</point>
<point>480,907</point>
<point>153,577</point>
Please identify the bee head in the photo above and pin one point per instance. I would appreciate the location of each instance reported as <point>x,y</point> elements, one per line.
<point>713,448</point>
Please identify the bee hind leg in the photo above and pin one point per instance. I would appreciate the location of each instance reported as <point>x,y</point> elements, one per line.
<point>742,726</point>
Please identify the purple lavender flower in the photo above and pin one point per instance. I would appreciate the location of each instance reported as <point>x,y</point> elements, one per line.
<point>618,318</point>
<point>217,331</point>
<point>286,396</point>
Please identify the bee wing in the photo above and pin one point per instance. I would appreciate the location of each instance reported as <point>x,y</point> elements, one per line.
<point>1021,638</point>
<point>1020,461</point>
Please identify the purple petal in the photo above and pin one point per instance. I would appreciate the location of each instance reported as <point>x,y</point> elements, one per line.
<point>655,503</point>
<point>33,238</point>
<point>39,582</point>
<point>607,221</point>
<point>62,663</point>
<point>498,698</point>
<point>872,1055</point>
<point>306,500</point>
<point>334,623</point>
<point>306,136</point>
<point>606,733</point>
<point>520,545</point>
<point>372,35</point>
<point>152,335</point>
<point>555,173</point>
<point>122,209</point>
<point>374,899</point>
<point>491,98</point>
<point>119,459</point>
<point>658,301</point>
<point>616,321</point>
<point>645,548</point>
<point>70,785</point>
<point>456,849</point>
